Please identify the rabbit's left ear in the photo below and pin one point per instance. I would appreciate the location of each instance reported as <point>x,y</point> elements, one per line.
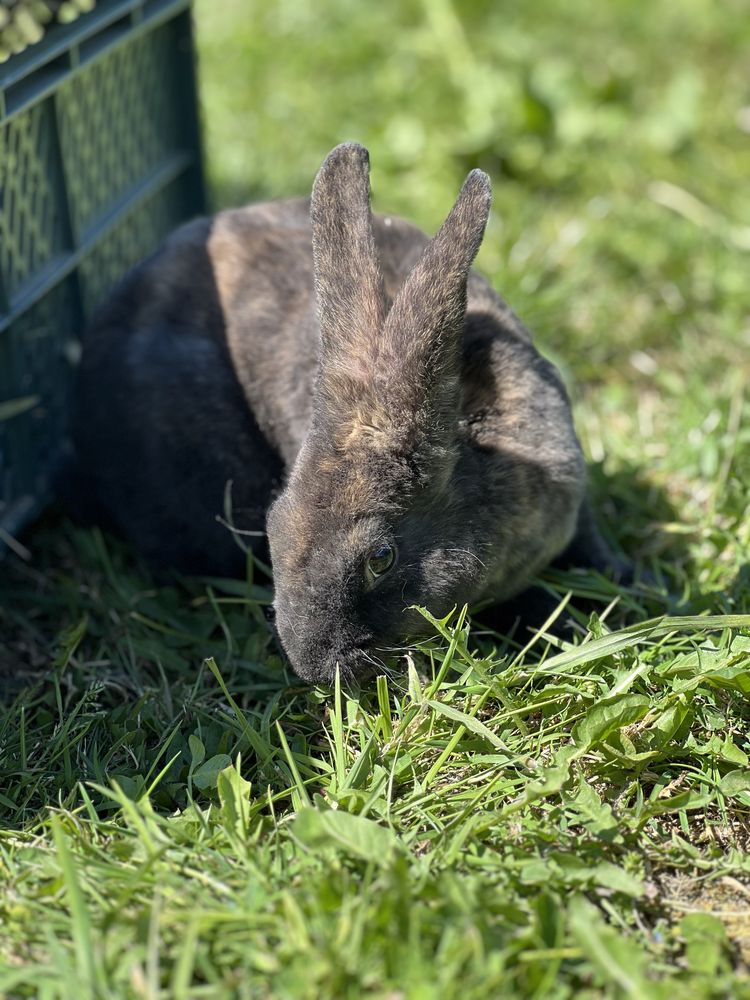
<point>348,279</point>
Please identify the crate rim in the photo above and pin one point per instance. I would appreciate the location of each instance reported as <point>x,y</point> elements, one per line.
<point>62,39</point>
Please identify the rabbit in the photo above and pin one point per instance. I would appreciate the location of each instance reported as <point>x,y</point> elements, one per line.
<point>354,397</point>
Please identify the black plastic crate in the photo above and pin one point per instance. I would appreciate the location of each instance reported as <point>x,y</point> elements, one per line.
<point>99,160</point>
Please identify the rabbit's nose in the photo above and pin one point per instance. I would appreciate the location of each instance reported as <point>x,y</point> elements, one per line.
<point>314,663</point>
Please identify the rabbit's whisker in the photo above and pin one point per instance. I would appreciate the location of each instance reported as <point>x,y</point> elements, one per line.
<point>467,552</point>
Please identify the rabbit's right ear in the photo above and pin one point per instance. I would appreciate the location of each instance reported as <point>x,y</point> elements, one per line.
<point>348,280</point>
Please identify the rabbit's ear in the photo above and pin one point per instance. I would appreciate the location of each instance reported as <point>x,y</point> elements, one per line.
<point>390,383</point>
<point>424,327</point>
<point>348,279</point>
<point>410,403</point>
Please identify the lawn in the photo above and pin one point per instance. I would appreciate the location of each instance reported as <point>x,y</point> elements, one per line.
<point>498,816</point>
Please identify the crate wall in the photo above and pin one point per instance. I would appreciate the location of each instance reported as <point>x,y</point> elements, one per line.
<point>99,160</point>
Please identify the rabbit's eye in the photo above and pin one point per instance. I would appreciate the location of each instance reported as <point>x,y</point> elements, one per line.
<point>381,559</point>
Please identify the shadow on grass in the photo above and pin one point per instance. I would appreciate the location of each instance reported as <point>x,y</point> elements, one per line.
<point>640,520</point>
<point>105,676</point>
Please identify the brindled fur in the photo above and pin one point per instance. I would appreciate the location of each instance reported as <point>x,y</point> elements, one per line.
<point>345,382</point>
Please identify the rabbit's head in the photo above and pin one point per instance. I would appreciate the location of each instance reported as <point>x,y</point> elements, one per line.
<point>373,517</point>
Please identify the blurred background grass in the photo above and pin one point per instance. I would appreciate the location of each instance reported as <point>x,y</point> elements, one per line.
<point>617,137</point>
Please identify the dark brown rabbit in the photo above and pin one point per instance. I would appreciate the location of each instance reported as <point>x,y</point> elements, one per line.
<point>357,379</point>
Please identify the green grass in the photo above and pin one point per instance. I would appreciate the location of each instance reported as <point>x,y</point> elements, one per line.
<point>179,816</point>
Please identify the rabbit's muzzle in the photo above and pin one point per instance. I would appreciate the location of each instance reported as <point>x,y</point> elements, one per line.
<point>318,644</point>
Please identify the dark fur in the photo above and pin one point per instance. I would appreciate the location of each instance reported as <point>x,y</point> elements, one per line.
<point>407,405</point>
